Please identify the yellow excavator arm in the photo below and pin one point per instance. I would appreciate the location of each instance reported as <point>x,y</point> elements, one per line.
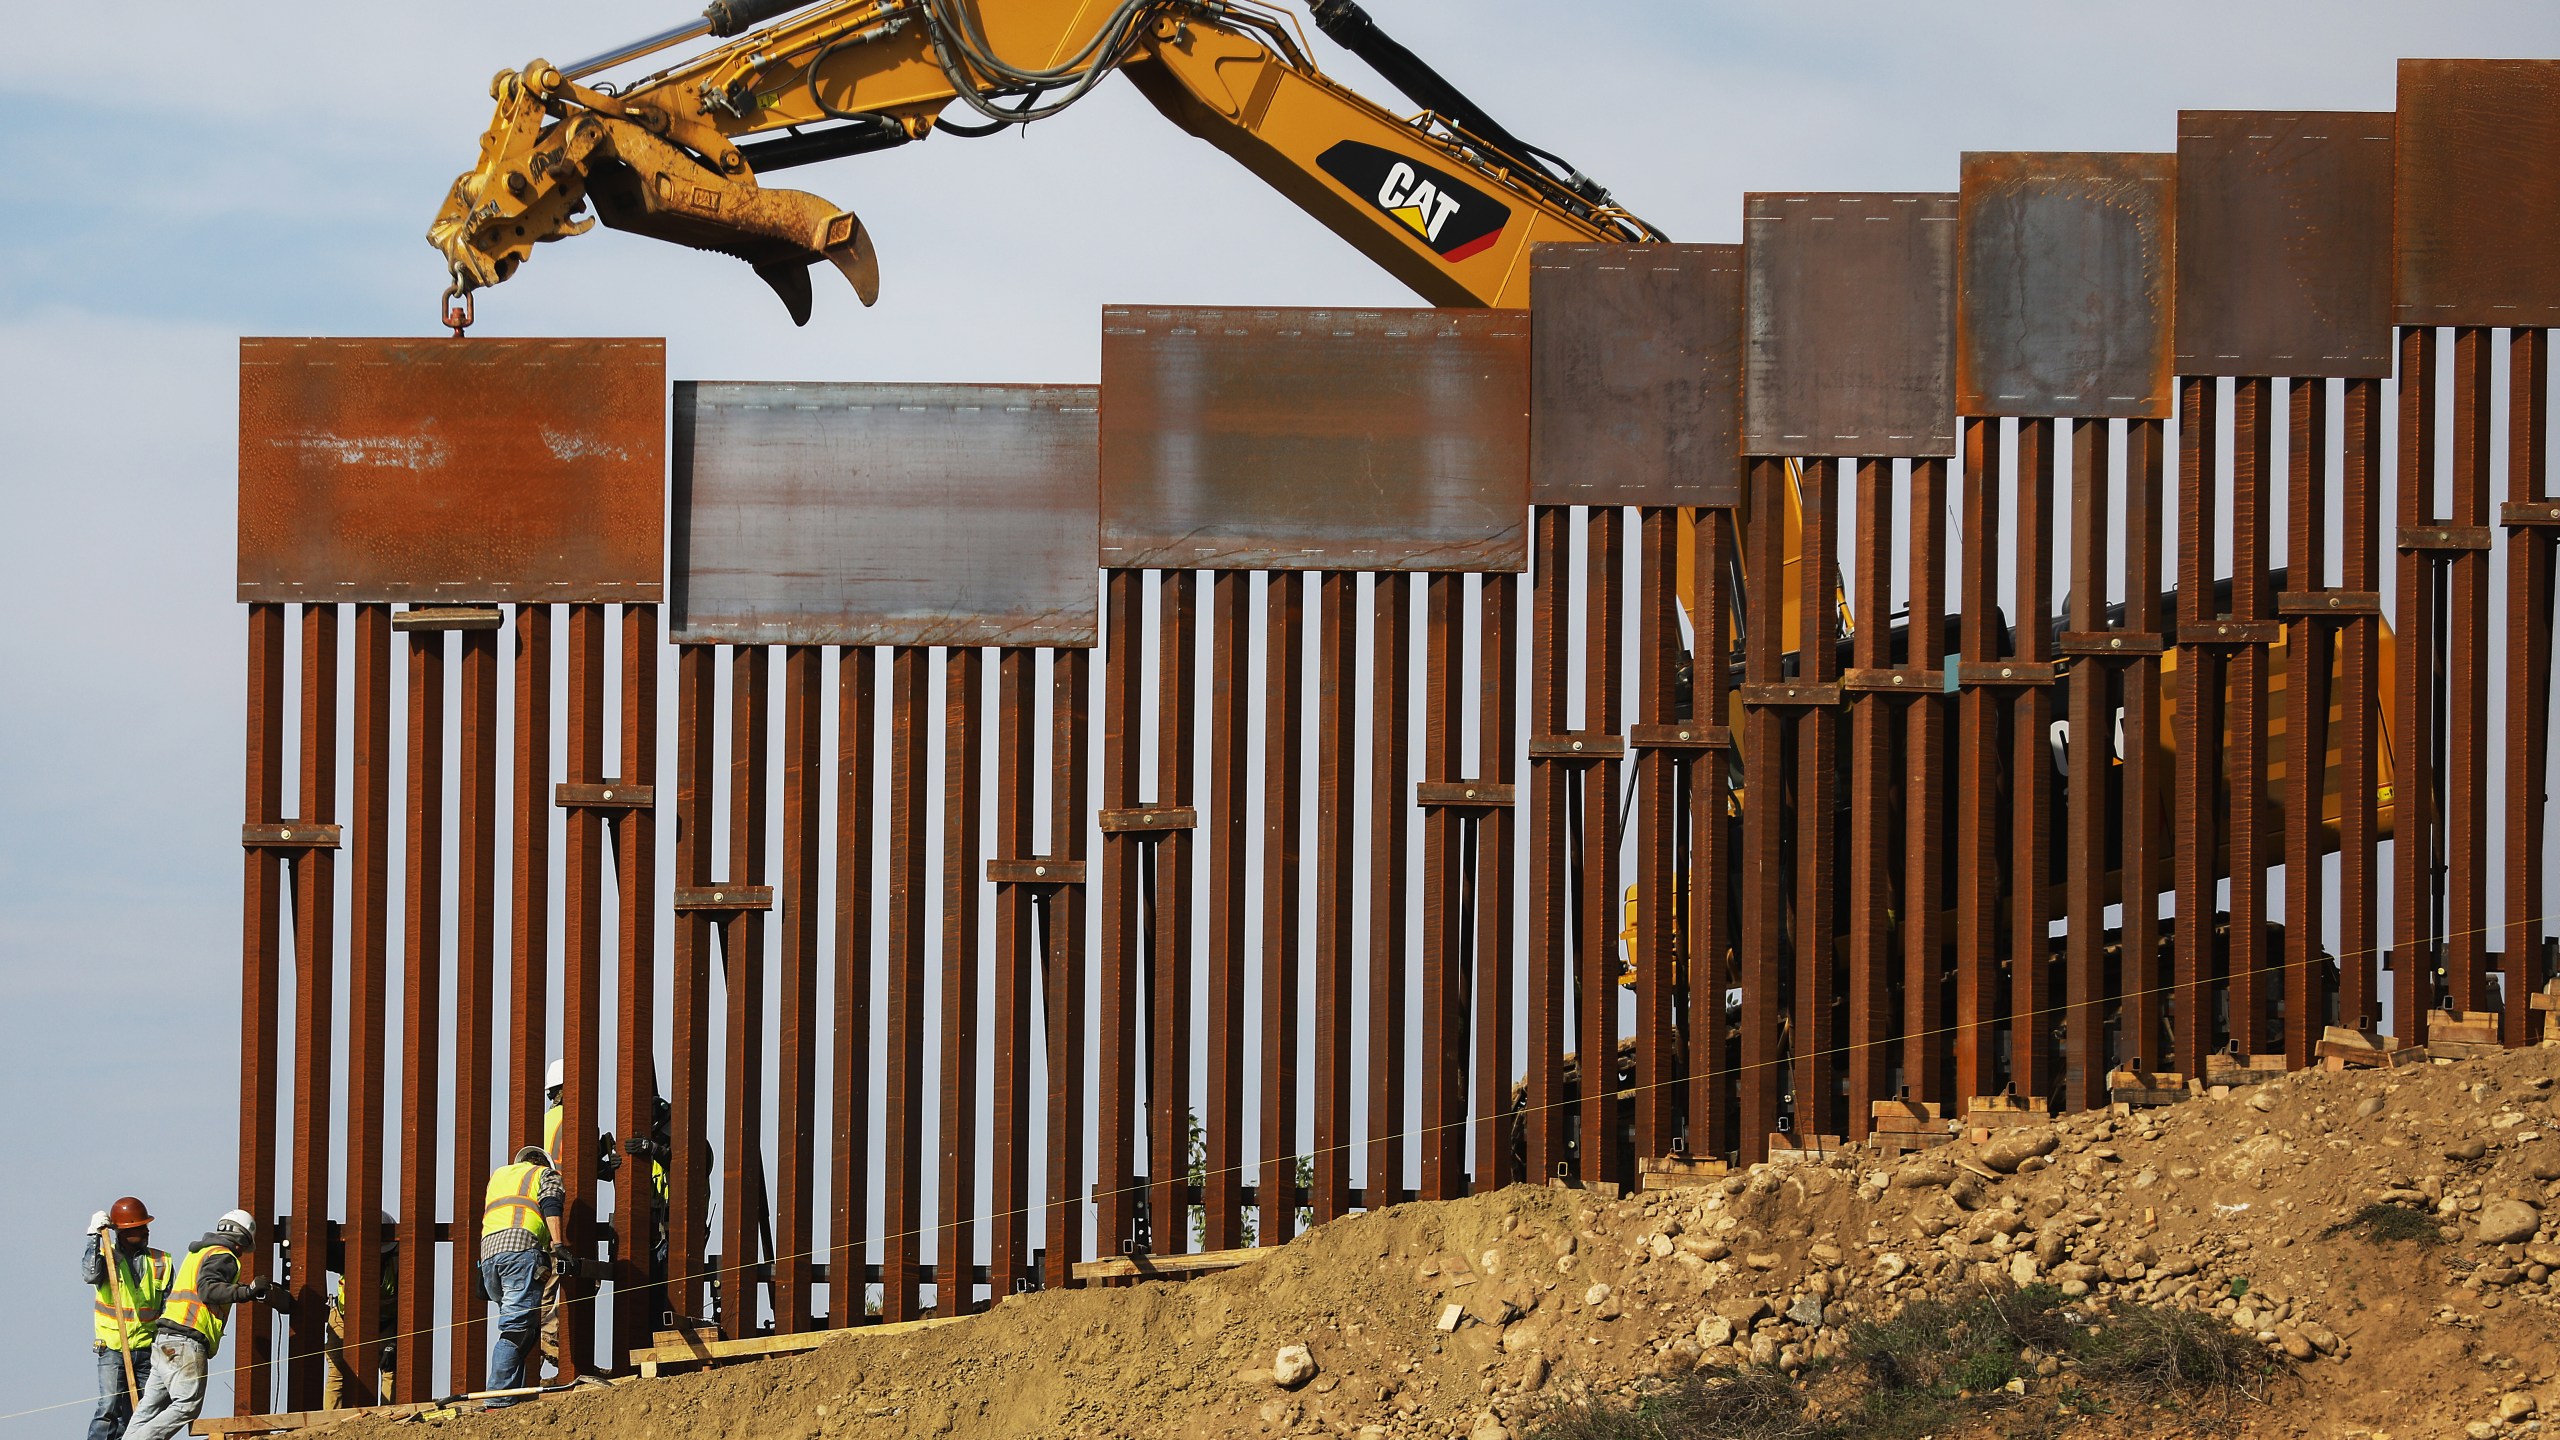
<point>1448,201</point>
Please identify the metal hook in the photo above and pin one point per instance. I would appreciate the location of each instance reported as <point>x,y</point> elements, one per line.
<point>459,309</point>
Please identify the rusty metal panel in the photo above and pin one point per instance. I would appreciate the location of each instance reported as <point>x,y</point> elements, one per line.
<point>2479,192</point>
<point>1635,376</point>
<point>867,514</point>
<point>1315,439</point>
<point>442,470</point>
<point>2284,243</point>
<point>2064,267</point>
<point>1849,324</point>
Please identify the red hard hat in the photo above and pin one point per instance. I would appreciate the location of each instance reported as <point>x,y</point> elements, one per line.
<point>128,1214</point>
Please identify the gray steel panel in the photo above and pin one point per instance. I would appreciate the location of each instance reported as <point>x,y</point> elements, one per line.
<point>451,470</point>
<point>2064,266</point>
<point>1315,439</point>
<point>2477,224</point>
<point>1850,324</point>
<point>1635,385</point>
<point>2284,243</point>
<point>879,514</point>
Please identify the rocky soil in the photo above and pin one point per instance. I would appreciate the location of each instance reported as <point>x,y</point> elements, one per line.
<point>2433,1315</point>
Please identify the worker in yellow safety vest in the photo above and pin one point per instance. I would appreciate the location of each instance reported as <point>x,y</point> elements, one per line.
<point>608,1166</point>
<point>522,1240</point>
<point>189,1333</point>
<point>132,1280</point>
<point>342,1366</point>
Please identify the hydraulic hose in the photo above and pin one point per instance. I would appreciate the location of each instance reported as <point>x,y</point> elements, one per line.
<point>736,17</point>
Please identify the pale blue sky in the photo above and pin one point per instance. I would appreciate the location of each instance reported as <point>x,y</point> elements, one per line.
<point>180,173</point>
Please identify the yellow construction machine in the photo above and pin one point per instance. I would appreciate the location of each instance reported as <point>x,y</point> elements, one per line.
<point>1446,200</point>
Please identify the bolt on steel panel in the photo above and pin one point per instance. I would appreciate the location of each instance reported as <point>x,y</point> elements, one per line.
<point>1635,378</point>
<point>444,470</point>
<point>2064,270</point>
<point>1850,324</point>
<point>1315,439</point>
<point>875,514</point>
<point>2479,192</point>
<point>2284,243</point>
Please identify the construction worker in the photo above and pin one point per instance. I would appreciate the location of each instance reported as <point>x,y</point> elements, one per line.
<point>333,1385</point>
<point>608,1164</point>
<point>132,1281</point>
<point>520,1244</point>
<point>656,1148</point>
<point>189,1333</point>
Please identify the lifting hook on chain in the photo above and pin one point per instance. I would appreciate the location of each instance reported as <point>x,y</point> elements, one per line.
<point>458,308</point>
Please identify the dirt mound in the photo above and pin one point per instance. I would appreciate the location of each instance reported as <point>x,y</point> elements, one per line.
<point>2388,1235</point>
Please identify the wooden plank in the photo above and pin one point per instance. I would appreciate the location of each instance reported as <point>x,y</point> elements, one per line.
<point>301,1419</point>
<point>677,1348</point>
<point>1125,1267</point>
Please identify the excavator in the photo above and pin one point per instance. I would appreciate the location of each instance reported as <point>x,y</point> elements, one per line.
<point>1447,200</point>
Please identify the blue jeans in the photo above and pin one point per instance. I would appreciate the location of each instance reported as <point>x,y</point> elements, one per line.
<point>516,1281</point>
<point>175,1396</point>
<point>115,1407</point>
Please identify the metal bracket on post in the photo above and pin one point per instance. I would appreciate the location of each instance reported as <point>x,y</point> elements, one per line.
<point>291,835</point>
<point>723,899</point>
<point>604,795</point>
<point>1577,749</point>
<point>1149,819</point>
<point>1463,795</point>
<point>1040,871</point>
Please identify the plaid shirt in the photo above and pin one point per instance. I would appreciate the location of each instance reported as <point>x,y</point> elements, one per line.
<point>552,1199</point>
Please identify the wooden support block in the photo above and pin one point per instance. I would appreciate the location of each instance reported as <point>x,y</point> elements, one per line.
<point>2030,1105</point>
<point>1146,1267</point>
<point>1911,1109</point>
<point>2466,1030</point>
<point>291,1421</point>
<point>1676,1170</point>
<point>677,1349</point>
<point>1806,1149</point>
<point>2462,1049</point>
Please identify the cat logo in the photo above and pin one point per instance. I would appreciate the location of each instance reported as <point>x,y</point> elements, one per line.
<point>1445,213</point>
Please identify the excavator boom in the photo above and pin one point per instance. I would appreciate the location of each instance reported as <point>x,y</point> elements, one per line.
<point>1449,201</point>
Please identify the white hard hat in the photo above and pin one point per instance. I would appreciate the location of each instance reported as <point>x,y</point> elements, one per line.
<point>237,1220</point>
<point>556,1076</point>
